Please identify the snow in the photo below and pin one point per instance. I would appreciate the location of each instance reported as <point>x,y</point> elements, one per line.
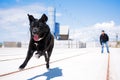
<point>66,64</point>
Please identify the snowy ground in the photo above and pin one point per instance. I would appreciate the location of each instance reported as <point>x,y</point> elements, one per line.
<point>66,64</point>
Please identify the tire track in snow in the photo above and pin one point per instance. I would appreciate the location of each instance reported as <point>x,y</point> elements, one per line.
<point>108,68</point>
<point>17,71</point>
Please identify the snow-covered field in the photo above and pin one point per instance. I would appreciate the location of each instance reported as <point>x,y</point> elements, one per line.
<point>66,64</point>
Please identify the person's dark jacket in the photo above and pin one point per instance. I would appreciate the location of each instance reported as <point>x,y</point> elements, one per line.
<point>103,38</point>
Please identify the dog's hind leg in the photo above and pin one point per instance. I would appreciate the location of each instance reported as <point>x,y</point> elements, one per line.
<point>47,60</point>
<point>48,57</point>
<point>29,55</point>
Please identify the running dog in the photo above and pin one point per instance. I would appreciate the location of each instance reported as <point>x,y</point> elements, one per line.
<point>41,41</point>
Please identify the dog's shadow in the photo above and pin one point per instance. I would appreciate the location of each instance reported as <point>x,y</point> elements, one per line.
<point>51,73</point>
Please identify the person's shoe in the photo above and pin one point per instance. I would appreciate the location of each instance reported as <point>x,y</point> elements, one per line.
<point>101,52</point>
<point>108,52</point>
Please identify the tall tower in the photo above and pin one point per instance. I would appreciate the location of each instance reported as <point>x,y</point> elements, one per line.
<point>51,18</point>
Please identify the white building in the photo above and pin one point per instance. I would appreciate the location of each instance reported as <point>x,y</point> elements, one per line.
<point>51,19</point>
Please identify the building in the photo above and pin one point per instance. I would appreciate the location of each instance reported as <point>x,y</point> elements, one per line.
<point>12,44</point>
<point>61,32</point>
<point>52,18</point>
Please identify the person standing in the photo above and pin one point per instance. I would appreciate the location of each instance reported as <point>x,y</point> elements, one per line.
<point>104,38</point>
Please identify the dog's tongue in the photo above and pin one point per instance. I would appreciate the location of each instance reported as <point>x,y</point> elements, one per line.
<point>36,37</point>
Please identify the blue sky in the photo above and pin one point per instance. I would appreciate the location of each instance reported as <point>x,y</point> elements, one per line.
<point>75,13</point>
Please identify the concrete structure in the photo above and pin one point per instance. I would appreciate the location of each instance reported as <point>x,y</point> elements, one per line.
<point>60,32</point>
<point>12,44</point>
<point>64,33</point>
<point>51,18</point>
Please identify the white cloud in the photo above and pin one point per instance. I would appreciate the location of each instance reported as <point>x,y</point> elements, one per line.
<point>14,21</point>
<point>110,24</point>
<point>14,25</point>
<point>93,32</point>
<point>58,14</point>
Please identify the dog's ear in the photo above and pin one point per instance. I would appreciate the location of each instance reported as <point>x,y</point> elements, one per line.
<point>44,18</point>
<point>31,18</point>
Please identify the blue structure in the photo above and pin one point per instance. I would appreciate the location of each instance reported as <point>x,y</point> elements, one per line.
<point>57,30</point>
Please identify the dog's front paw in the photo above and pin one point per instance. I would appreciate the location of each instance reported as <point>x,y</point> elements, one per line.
<point>47,66</point>
<point>21,67</point>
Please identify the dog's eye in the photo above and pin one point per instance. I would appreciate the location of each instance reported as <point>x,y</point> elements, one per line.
<point>41,24</point>
<point>32,23</point>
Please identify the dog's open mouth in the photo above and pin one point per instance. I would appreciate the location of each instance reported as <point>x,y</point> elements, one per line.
<point>36,37</point>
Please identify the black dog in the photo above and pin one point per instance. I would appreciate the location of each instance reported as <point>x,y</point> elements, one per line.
<point>41,40</point>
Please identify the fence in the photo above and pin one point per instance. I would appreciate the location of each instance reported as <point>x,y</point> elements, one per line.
<point>69,44</point>
<point>64,44</point>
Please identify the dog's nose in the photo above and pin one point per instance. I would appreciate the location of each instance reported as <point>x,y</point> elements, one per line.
<point>35,30</point>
